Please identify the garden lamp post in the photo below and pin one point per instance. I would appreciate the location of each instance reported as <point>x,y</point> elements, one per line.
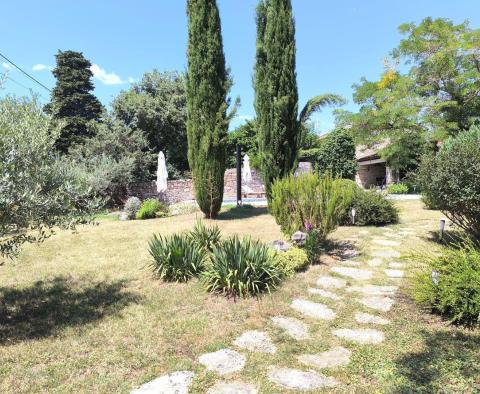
<point>239,176</point>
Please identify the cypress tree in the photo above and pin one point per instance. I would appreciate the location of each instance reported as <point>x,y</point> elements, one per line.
<point>208,84</point>
<point>276,94</point>
<point>72,101</point>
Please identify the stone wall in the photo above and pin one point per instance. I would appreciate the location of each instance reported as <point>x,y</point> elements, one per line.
<point>369,175</point>
<point>182,190</point>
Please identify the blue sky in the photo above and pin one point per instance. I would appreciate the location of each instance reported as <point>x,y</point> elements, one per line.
<point>338,42</point>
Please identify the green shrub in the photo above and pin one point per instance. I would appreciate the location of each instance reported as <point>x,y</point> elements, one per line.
<point>241,268</point>
<point>150,209</point>
<point>205,238</point>
<point>398,188</point>
<point>294,259</point>
<point>132,206</point>
<point>451,180</point>
<point>450,284</point>
<point>175,258</point>
<point>373,209</point>
<point>313,246</point>
<point>429,203</point>
<point>337,155</point>
<point>309,201</point>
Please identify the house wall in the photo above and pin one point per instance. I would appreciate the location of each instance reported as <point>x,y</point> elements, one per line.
<point>367,175</point>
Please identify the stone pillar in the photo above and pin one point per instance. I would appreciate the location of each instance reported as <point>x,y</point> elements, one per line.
<point>391,176</point>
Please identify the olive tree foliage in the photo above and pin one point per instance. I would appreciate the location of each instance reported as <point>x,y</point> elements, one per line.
<point>38,191</point>
<point>157,106</point>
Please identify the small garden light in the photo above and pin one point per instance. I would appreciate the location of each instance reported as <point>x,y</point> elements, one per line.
<point>354,212</point>
<point>442,227</point>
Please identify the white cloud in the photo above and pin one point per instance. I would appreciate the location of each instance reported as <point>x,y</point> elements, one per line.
<point>41,67</point>
<point>104,77</point>
<point>7,66</point>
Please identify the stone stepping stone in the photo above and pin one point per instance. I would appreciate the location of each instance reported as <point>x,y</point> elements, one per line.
<point>367,318</point>
<point>313,309</point>
<point>377,261</point>
<point>386,253</point>
<point>335,357</point>
<point>396,265</point>
<point>325,294</point>
<point>232,388</point>
<point>351,263</point>
<point>395,273</point>
<point>361,335</point>
<point>386,242</point>
<point>392,235</point>
<point>354,273</point>
<point>379,303</point>
<point>349,254</point>
<point>329,282</point>
<point>174,383</point>
<point>373,289</point>
<point>293,327</point>
<point>255,341</point>
<point>295,379</point>
<point>407,229</point>
<point>364,232</point>
<point>223,362</point>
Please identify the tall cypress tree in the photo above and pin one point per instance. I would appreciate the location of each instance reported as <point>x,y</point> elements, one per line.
<point>208,84</point>
<point>72,101</point>
<point>276,94</point>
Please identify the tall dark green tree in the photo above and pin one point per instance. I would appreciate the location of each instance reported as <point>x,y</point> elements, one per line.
<point>72,102</point>
<point>208,84</point>
<point>280,128</point>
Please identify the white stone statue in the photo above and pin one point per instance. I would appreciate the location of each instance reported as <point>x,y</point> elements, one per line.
<point>246,171</point>
<point>162,174</point>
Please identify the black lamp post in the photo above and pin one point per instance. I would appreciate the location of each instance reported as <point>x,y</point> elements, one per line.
<point>239,176</point>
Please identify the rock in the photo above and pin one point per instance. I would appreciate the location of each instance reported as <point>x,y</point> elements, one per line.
<point>386,253</point>
<point>325,294</point>
<point>123,216</point>
<point>378,303</point>
<point>394,273</point>
<point>299,238</point>
<point>362,335</point>
<point>313,309</point>
<point>328,282</point>
<point>232,388</point>
<point>293,327</point>
<point>299,380</point>
<point>373,289</point>
<point>335,357</point>
<point>280,246</point>
<point>351,263</point>
<point>377,261</point>
<point>354,273</point>
<point>223,361</point>
<point>174,383</point>
<point>256,341</point>
<point>367,318</point>
<point>348,254</point>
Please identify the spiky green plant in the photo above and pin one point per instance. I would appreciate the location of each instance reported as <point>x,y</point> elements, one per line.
<point>242,268</point>
<point>175,258</point>
<point>205,238</point>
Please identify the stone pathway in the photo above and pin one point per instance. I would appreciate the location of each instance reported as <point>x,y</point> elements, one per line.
<point>357,283</point>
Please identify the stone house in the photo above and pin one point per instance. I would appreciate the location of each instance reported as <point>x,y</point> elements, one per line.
<point>372,169</point>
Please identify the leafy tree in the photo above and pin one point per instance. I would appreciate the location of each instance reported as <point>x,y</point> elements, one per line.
<point>244,135</point>
<point>157,106</point>
<point>445,62</point>
<point>337,155</point>
<point>37,191</point>
<point>112,159</point>
<point>279,127</point>
<point>208,84</point>
<point>72,101</point>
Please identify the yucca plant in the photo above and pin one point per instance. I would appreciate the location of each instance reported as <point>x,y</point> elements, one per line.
<point>205,238</point>
<point>242,268</point>
<point>176,258</point>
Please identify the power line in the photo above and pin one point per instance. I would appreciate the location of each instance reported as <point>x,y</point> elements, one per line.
<point>24,72</point>
<point>25,87</point>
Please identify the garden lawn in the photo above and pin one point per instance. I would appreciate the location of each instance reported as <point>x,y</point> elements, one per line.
<point>81,313</point>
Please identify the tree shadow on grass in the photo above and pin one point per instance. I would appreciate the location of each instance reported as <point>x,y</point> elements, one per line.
<point>47,307</point>
<point>244,212</point>
<point>342,250</point>
<point>454,353</point>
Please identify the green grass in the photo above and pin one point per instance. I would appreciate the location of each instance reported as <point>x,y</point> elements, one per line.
<point>82,313</point>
